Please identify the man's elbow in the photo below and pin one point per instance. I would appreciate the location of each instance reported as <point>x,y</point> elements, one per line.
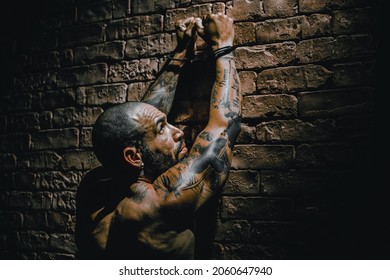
<point>234,127</point>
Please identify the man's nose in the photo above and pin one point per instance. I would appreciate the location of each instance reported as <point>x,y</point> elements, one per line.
<point>177,133</point>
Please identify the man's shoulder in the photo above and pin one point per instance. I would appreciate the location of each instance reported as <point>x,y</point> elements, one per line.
<point>95,176</point>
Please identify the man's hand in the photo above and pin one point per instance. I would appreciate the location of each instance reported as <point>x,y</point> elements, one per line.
<point>217,30</point>
<point>186,34</point>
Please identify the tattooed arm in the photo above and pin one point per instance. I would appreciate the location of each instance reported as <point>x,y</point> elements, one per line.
<point>190,183</point>
<point>161,92</point>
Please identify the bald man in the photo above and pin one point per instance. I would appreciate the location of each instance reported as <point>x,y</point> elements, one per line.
<point>140,203</point>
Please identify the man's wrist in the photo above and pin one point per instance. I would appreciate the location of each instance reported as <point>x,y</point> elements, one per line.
<point>223,51</point>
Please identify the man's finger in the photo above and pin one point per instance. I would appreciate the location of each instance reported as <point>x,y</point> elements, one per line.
<point>198,22</point>
<point>187,21</point>
<point>199,26</point>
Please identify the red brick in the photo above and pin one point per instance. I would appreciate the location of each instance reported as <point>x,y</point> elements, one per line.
<point>247,134</point>
<point>280,8</point>
<point>59,221</point>
<point>55,180</point>
<point>134,26</point>
<point>269,106</point>
<point>82,35</point>
<point>34,240</point>
<point>295,130</point>
<point>319,49</point>
<point>83,75</point>
<point>262,157</point>
<point>86,137</point>
<point>295,182</point>
<point>39,160</point>
<point>292,79</point>
<point>237,230</point>
<point>309,6</point>
<point>157,44</point>
<point>245,10</point>
<point>76,116</point>
<point>280,29</point>
<point>335,102</point>
<point>136,70</point>
<point>242,182</point>
<point>244,33</point>
<point>248,82</point>
<point>317,25</point>
<point>101,52</point>
<point>64,201</point>
<point>256,208</point>
<point>62,242</point>
<point>265,56</point>
<point>58,98</point>
<point>79,160</point>
<point>55,139</point>
<point>102,94</point>
<point>123,28</point>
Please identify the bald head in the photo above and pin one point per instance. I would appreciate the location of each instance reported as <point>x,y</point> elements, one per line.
<point>115,129</point>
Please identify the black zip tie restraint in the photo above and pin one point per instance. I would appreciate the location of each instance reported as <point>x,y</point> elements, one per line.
<point>217,53</point>
<point>223,51</point>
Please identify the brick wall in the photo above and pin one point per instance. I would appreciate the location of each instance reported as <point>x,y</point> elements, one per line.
<point>302,176</point>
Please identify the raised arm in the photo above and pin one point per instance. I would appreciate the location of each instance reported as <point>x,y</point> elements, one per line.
<point>161,92</point>
<point>190,183</point>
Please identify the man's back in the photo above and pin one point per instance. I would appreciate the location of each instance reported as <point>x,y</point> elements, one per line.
<point>119,222</point>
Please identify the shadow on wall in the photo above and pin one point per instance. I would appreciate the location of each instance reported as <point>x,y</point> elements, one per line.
<point>194,90</point>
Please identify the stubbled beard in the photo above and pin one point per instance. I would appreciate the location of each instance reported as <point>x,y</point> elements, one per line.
<point>155,163</point>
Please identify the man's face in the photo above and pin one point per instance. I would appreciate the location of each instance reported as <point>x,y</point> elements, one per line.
<point>164,145</point>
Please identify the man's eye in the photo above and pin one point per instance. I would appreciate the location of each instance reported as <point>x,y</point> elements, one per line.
<point>161,131</point>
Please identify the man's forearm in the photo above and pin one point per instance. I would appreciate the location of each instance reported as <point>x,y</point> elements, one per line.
<point>161,92</point>
<point>225,102</point>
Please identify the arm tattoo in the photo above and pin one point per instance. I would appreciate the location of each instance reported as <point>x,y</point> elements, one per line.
<point>162,92</point>
<point>207,165</point>
<point>205,170</point>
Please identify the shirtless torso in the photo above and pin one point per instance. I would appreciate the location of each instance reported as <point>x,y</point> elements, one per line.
<point>146,210</point>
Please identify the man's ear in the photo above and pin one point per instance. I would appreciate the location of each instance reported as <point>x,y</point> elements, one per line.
<point>132,156</point>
